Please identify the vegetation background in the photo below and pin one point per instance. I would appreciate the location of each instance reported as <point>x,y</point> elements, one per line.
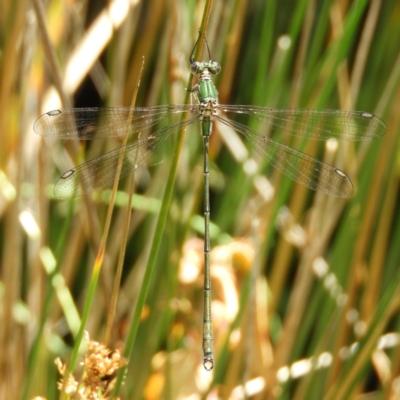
<point>305,286</point>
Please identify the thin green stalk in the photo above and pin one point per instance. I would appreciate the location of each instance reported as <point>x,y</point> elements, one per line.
<point>100,256</point>
<point>34,353</point>
<point>160,223</point>
<point>352,369</point>
<point>118,274</point>
<point>338,51</point>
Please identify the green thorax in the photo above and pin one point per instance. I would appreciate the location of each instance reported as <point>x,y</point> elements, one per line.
<point>206,91</point>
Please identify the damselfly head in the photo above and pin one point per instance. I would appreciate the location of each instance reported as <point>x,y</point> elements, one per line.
<point>198,67</point>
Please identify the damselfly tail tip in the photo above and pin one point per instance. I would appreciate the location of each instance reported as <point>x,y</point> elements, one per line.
<point>208,363</point>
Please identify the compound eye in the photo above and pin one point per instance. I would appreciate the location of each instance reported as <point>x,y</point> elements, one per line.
<point>196,67</point>
<point>215,68</point>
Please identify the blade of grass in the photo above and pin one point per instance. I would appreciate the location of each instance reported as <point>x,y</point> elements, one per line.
<point>351,372</point>
<point>122,249</point>
<point>53,272</point>
<point>100,257</point>
<point>160,222</point>
<point>337,52</point>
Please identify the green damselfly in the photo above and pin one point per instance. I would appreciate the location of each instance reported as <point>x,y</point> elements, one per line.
<point>99,173</point>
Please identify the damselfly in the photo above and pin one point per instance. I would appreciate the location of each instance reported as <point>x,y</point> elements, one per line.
<point>99,173</point>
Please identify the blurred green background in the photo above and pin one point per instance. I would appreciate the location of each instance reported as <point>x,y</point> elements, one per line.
<point>305,286</point>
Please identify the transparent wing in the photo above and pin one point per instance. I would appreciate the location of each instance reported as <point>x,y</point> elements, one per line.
<point>314,124</point>
<point>296,165</point>
<point>93,123</point>
<point>100,172</point>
